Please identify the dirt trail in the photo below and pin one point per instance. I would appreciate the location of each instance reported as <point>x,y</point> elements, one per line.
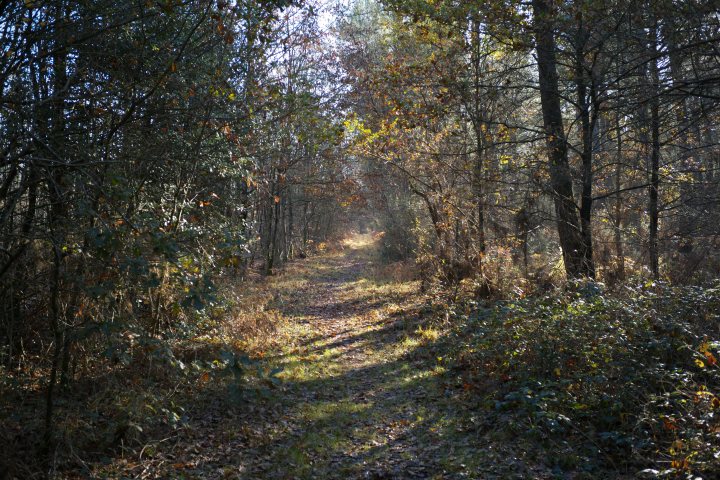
<point>363,393</point>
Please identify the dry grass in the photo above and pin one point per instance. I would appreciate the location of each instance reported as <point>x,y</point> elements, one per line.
<point>396,272</point>
<point>252,319</point>
<point>101,415</point>
<point>97,415</point>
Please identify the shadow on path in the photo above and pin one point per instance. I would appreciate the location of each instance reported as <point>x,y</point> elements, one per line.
<point>363,396</point>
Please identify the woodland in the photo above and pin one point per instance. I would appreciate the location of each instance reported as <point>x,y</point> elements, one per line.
<point>359,239</point>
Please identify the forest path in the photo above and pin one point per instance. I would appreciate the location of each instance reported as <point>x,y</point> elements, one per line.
<point>363,392</point>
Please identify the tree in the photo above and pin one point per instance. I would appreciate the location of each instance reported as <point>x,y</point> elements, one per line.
<point>592,60</point>
<point>577,254</point>
<point>116,129</point>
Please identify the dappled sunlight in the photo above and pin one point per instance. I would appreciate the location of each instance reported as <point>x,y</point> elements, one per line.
<point>379,381</point>
<point>360,381</point>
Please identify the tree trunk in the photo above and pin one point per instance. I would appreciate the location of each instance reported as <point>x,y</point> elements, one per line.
<point>306,226</point>
<point>56,215</point>
<point>291,227</point>
<point>283,221</point>
<point>587,125</point>
<point>478,125</point>
<point>620,269</point>
<point>569,233</point>
<point>58,336</point>
<point>653,210</point>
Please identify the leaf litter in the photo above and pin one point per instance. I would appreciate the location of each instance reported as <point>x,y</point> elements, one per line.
<point>362,396</point>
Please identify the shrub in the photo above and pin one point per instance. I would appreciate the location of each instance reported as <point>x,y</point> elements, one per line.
<point>633,369</point>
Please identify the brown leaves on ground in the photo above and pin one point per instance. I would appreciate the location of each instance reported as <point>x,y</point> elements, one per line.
<point>364,394</point>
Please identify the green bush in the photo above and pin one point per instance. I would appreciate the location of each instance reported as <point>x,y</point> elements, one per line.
<point>633,369</point>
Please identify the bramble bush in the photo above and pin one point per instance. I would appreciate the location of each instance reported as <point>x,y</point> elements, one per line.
<point>632,369</point>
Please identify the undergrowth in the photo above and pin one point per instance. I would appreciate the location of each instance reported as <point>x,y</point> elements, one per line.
<point>138,390</point>
<point>609,382</point>
<point>631,373</point>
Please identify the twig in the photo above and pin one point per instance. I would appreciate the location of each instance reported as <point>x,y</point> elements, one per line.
<point>596,446</point>
<point>157,443</point>
<point>145,469</point>
<point>72,450</point>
